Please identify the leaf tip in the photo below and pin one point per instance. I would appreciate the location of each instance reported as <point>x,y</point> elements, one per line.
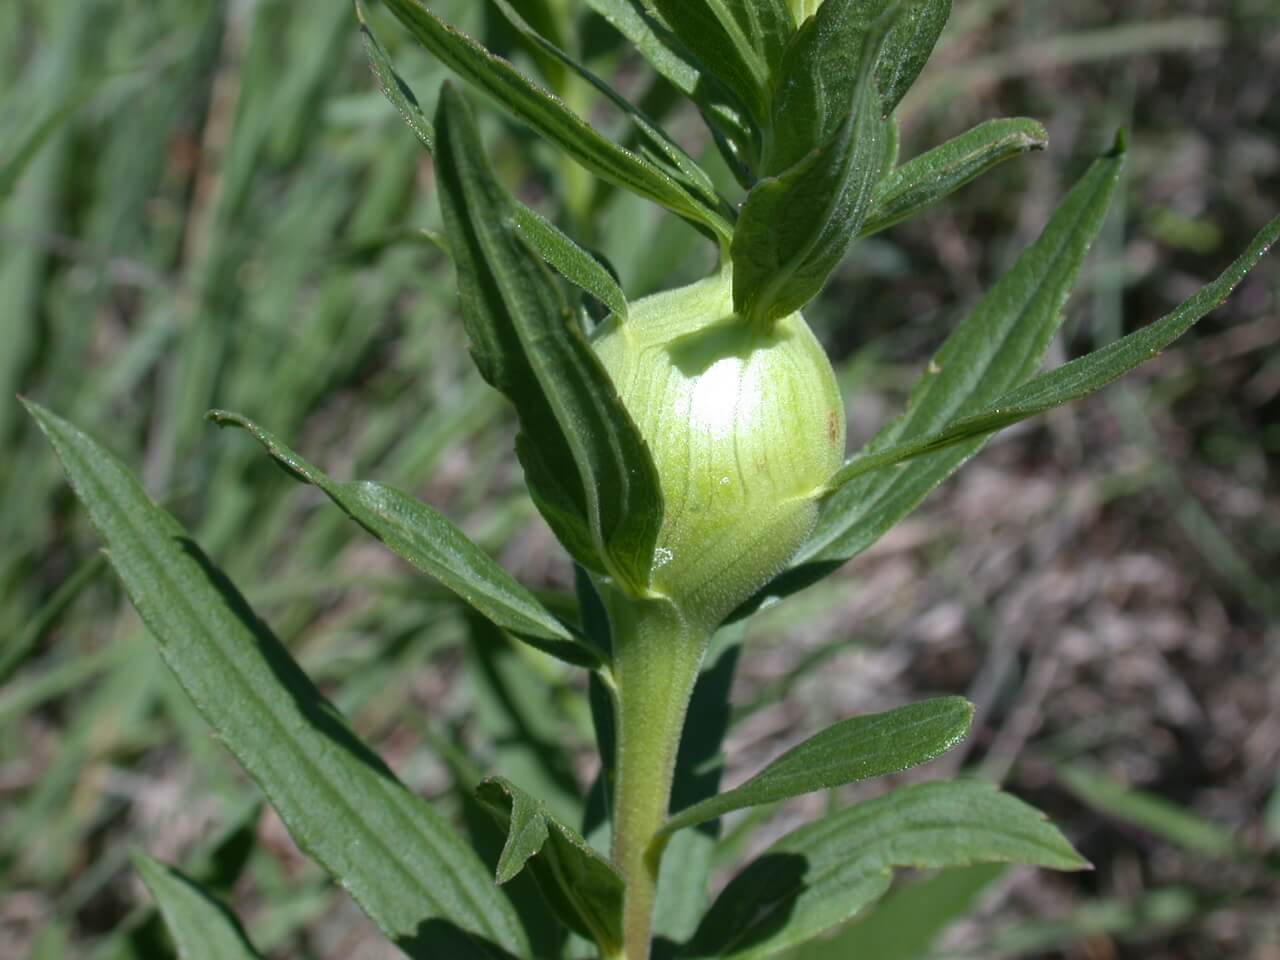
<point>45,419</point>
<point>1037,136</point>
<point>1121,144</point>
<point>31,406</point>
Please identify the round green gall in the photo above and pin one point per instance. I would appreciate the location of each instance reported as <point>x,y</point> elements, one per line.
<point>745,426</point>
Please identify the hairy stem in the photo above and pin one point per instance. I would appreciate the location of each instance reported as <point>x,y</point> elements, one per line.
<point>657,654</point>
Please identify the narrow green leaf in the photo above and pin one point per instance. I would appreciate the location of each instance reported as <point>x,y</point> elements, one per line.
<point>427,540</point>
<point>202,928</point>
<point>1000,345</point>
<point>527,345</point>
<point>820,70</point>
<point>568,259</point>
<point>398,859</point>
<point>941,171</point>
<point>855,749</point>
<point>546,933</point>
<point>392,86</point>
<point>652,40</point>
<point>583,889</point>
<point>795,226</point>
<point>550,20</point>
<point>683,166</point>
<point>767,25</point>
<point>551,118</point>
<point>723,110</point>
<point>215,866</point>
<point>824,68</point>
<point>826,872</point>
<point>555,247</point>
<point>908,48</point>
<point>1076,379</point>
<point>1152,813</point>
<point>741,43</point>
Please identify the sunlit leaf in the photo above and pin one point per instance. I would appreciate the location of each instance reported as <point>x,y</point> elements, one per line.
<point>740,43</point>
<point>428,540</point>
<point>550,117</point>
<point>401,861</point>
<point>906,923</point>
<point>795,226</point>
<point>997,347</point>
<point>683,165</point>
<point>832,56</point>
<point>723,110</point>
<point>824,873</point>
<point>1074,380</point>
<point>588,468</point>
<point>555,247</point>
<point>856,749</point>
<point>908,48</point>
<point>939,172</point>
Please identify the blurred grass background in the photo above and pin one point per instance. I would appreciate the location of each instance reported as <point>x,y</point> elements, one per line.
<point>207,202</point>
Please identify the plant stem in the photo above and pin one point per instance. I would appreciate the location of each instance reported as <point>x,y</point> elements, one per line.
<point>656,657</point>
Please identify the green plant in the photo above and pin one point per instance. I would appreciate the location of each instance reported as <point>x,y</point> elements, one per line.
<point>689,454</point>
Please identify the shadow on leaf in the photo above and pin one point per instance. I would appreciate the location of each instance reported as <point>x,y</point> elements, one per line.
<point>756,904</point>
<point>434,937</point>
<point>319,712</point>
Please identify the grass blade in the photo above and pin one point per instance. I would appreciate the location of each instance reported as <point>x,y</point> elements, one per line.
<point>1152,813</point>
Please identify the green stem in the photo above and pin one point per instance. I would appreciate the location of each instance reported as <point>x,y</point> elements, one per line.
<point>656,657</point>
